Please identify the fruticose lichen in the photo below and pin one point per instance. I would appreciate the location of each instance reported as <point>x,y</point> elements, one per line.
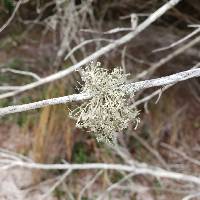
<point>107,112</point>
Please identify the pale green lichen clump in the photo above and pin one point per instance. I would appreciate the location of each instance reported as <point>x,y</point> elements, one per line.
<point>107,112</point>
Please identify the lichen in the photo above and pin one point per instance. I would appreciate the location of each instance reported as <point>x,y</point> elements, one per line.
<point>107,112</point>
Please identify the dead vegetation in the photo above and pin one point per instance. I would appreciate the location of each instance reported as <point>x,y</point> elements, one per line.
<point>39,38</point>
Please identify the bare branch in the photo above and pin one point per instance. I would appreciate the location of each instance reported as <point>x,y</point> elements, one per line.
<point>152,18</point>
<point>141,168</point>
<point>182,154</point>
<point>130,88</point>
<point>91,182</point>
<point>191,196</point>
<point>112,31</point>
<point>167,80</point>
<point>9,87</point>
<point>43,103</point>
<point>25,73</point>
<point>110,188</point>
<point>84,43</point>
<point>179,41</point>
<point>168,58</point>
<point>12,16</point>
<point>155,93</point>
<point>63,177</point>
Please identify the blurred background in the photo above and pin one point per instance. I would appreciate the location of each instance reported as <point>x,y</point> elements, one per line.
<point>38,37</point>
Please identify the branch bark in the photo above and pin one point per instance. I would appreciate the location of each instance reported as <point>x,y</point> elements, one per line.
<point>130,88</point>
<point>11,17</point>
<point>152,18</point>
<point>139,168</point>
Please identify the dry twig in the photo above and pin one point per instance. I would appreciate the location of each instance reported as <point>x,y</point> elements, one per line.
<point>139,168</point>
<point>12,16</point>
<point>129,88</point>
<point>152,18</point>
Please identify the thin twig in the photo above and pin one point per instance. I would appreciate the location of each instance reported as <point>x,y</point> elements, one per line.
<point>62,178</point>
<point>179,41</point>
<point>110,188</point>
<point>168,58</point>
<point>191,196</point>
<point>112,31</point>
<point>26,73</point>
<point>12,16</point>
<point>182,154</point>
<point>84,43</point>
<point>89,184</point>
<point>151,150</point>
<point>147,98</point>
<point>157,92</point>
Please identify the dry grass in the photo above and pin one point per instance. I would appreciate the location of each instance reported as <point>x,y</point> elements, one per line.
<point>53,133</point>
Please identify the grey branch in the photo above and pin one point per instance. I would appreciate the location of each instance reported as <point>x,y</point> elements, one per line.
<point>172,79</point>
<point>139,168</point>
<point>9,160</point>
<point>126,38</point>
<point>43,103</point>
<point>25,73</point>
<point>130,88</point>
<point>12,16</point>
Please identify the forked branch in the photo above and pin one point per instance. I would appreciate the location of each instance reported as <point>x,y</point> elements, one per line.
<point>115,44</point>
